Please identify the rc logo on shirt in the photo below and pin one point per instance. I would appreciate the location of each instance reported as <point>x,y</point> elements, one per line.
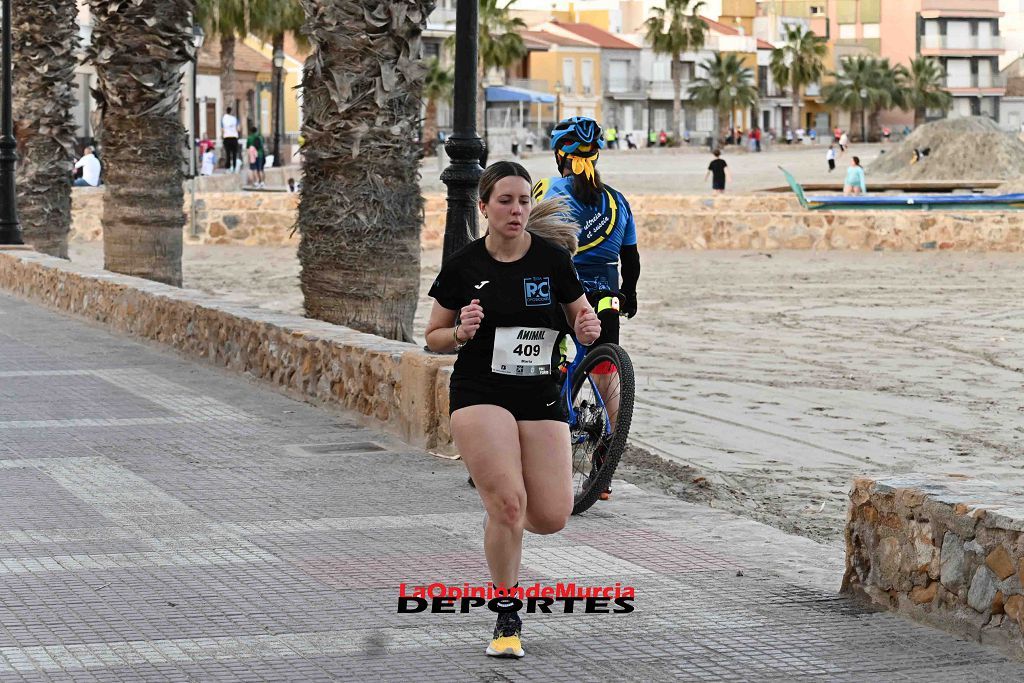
<point>537,290</point>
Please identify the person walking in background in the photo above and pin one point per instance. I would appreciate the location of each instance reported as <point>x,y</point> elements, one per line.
<point>629,141</point>
<point>854,182</point>
<point>830,157</point>
<point>209,162</point>
<point>719,172</point>
<point>837,133</point>
<point>652,138</point>
<point>257,158</point>
<point>229,133</point>
<point>91,168</point>
<point>844,142</point>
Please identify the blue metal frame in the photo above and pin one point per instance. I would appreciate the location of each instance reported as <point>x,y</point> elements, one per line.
<point>566,392</point>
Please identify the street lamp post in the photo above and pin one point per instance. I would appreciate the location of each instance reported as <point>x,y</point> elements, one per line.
<point>279,98</point>
<point>10,228</point>
<point>464,147</point>
<point>558,101</point>
<point>863,114</point>
<point>193,116</point>
<point>649,91</point>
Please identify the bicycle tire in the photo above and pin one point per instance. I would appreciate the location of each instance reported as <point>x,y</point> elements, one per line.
<point>589,485</point>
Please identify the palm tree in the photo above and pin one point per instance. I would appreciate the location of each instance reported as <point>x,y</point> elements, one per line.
<point>226,19</point>
<point>726,86</point>
<point>925,88</point>
<point>360,208</point>
<point>499,45</point>
<point>866,86</point>
<point>673,30</point>
<point>139,49</point>
<point>45,39</point>
<point>799,62</point>
<point>437,85</point>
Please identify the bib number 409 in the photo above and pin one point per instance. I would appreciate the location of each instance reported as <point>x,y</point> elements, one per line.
<point>527,350</point>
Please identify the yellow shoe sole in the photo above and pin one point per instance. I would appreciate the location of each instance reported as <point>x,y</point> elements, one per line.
<point>508,646</point>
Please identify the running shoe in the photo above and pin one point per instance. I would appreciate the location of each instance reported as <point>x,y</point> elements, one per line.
<point>507,640</point>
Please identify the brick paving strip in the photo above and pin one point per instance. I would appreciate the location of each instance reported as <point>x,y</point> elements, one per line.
<point>166,520</point>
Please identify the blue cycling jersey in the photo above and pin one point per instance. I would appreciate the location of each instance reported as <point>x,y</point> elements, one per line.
<point>604,230</point>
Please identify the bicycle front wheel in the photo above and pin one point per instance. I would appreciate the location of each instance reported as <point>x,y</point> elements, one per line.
<point>602,400</point>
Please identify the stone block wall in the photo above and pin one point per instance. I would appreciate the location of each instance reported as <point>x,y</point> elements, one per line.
<point>664,222</point>
<point>946,550</point>
<point>393,384</point>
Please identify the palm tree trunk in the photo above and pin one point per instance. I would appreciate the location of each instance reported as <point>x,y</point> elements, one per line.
<point>677,100</point>
<point>44,35</point>
<point>723,123</point>
<point>228,82</point>
<point>430,127</point>
<point>795,124</point>
<point>143,139</point>
<point>874,128</point>
<point>919,117</point>
<point>360,210</point>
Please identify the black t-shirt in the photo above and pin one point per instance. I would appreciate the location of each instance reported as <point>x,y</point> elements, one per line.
<point>523,320</point>
<point>717,168</point>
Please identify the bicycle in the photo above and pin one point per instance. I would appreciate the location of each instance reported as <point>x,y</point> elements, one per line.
<point>598,442</point>
<point>598,435</point>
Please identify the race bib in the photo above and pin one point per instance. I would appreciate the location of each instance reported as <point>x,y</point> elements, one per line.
<point>523,351</point>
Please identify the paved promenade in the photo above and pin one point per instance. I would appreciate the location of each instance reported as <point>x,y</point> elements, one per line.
<point>164,520</point>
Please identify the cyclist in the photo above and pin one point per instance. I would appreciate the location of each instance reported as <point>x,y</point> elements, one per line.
<point>607,231</point>
<point>501,302</point>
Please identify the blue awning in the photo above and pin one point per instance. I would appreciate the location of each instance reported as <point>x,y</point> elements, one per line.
<point>508,93</point>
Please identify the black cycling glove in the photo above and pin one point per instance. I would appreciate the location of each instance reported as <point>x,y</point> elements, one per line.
<point>627,303</point>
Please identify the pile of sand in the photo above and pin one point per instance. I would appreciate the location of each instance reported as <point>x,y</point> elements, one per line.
<point>969,148</point>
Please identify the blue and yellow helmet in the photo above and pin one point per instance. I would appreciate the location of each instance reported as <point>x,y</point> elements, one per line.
<point>578,140</point>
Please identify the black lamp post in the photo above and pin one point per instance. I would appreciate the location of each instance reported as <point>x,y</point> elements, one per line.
<point>464,147</point>
<point>863,118</point>
<point>278,99</point>
<point>10,228</point>
<point>650,123</point>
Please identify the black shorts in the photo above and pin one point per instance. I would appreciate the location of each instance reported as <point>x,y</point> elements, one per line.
<point>609,318</point>
<point>532,401</point>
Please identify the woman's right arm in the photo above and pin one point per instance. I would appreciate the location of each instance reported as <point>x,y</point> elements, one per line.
<point>440,333</point>
<point>444,335</point>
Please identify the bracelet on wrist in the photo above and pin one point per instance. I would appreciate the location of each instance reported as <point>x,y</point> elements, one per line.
<point>458,342</point>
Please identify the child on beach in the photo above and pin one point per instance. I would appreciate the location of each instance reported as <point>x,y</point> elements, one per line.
<point>719,171</point>
<point>830,156</point>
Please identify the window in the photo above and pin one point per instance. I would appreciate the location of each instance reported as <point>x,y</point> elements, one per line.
<point>958,73</point>
<point>431,50</point>
<point>618,75</point>
<point>871,30</point>
<point>568,76</point>
<point>660,119</point>
<point>817,10</point>
<point>958,35</point>
<point>662,69</point>
<point>588,76</point>
<point>847,31</point>
<point>706,120</point>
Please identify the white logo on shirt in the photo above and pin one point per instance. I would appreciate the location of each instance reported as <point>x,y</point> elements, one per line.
<point>479,286</point>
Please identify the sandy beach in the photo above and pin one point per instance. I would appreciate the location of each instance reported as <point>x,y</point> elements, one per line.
<point>772,379</point>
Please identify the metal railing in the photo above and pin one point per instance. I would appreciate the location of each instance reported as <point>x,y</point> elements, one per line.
<point>976,81</point>
<point>934,42</point>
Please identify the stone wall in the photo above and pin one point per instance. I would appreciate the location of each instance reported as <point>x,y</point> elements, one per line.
<point>392,384</point>
<point>944,549</point>
<point>664,222</point>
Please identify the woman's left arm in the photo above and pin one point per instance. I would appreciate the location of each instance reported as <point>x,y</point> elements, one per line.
<point>585,323</point>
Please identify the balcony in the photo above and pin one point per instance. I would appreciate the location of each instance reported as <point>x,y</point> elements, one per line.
<point>934,45</point>
<point>976,82</point>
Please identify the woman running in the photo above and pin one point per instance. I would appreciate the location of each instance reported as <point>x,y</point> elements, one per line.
<point>502,302</point>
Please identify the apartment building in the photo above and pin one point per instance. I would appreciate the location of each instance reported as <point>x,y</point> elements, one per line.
<point>963,35</point>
